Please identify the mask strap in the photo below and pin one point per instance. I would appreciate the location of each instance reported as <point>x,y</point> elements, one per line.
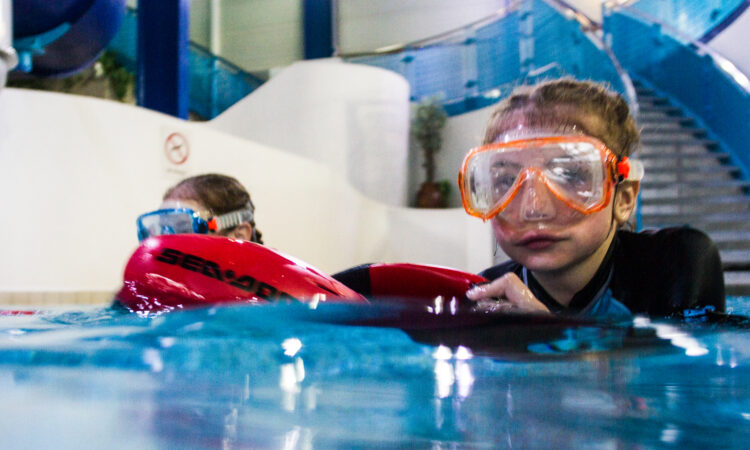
<point>623,168</point>
<point>629,170</point>
<point>231,219</point>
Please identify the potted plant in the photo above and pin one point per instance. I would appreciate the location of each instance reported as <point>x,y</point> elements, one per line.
<point>427,130</point>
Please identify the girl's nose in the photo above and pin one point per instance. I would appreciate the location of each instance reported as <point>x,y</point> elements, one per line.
<point>536,201</point>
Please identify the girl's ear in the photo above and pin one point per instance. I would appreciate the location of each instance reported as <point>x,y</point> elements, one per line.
<point>242,231</point>
<point>626,198</point>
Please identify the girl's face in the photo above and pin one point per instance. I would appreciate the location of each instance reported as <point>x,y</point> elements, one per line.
<point>244,231</point>
<point>542,233</point>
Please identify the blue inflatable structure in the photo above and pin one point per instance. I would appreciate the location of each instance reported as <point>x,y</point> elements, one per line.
<point>62,37</point>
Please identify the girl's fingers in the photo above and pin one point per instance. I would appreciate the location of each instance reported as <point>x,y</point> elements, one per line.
<point>509,289</point>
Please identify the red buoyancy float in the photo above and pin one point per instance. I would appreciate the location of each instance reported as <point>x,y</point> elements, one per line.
<point>192,270</point>
<point>418,283</point>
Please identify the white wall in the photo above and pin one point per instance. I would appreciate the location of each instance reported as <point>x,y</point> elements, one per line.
<point>365,25</point>
<point>258,35</point>
<point>591,8</point>
<point>76,171</point>
<point>200,22</point>
<point>254,34</point>
<point>262,34</point>
<point>352,118</point>
<point>731,42</point>
<point>314,98</point>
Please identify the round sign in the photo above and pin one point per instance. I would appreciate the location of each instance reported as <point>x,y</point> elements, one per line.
<point>176,149</point>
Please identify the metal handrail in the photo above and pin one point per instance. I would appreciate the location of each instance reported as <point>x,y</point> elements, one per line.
<point>591,28</point>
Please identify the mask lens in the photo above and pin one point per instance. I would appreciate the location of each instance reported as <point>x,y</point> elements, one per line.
<point>489,179</point>
<point>571,168</point>
<point>167,221</point>
<point>576,172</point>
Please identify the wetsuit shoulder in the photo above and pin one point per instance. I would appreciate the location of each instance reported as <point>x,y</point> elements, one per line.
<point>501,269</point>
<point>668,270</point>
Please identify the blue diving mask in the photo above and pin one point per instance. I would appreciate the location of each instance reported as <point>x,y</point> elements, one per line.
<point>186,220</point>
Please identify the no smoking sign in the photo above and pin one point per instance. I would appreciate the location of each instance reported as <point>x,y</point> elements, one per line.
<point>176,149</point>
<point>176,153</point>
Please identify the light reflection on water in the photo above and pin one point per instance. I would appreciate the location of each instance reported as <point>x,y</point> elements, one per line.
<point>257,377</point>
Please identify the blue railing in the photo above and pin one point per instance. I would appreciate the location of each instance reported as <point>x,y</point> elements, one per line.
<point>710,88</point>
<point>695,18</point>
<point>479,64</point>
<point>468,69</point>
<point>472,68</point>
<point>215,83</point>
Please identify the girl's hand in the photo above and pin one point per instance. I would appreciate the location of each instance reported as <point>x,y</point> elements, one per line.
<point>505,294</point>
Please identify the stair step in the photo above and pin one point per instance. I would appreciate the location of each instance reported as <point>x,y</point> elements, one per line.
<point>665,185</point>
<point>695,208</point>
<point>679,150</point>
<point>696,168</point>
<point>730,235</point>
<point>676,141</point>
<point>682,155</point>
<point>737,291</point>
<point>688,182</point>
<point>672,128</point>
<point>731,239</point>
<point>705,227</point>
<point>697,149</point>
<point>642,90</point>
<point>734,245</point>
<point>736,263</point>
<point>703,221</point>
<point>653,118</point>
<point>690,186</point>
<point>719,226</point>
<point>697,200</point>
<point>739,266</point>
<point>651,100</point>
<point>663,109</point>
<point>694,172</point>
<point>735,256</point>
<point>735,267</point>
<point>679,167</point>
<point>671,192</point>
<point>737,283</point>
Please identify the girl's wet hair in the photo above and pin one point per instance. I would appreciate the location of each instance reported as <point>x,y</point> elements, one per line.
<point>568,104</point>
<point>219,193</point>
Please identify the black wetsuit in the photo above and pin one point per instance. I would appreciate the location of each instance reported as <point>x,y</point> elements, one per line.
<point>654,272</point>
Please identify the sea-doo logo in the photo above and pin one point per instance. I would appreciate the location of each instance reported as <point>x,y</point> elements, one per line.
<point>212,269</point>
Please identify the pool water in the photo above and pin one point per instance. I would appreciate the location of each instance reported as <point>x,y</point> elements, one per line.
<point>281,377</point>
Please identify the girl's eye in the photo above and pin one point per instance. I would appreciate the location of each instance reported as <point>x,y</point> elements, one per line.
<point>502,181</point>
<point>503,175</point>
<point>569,173</point>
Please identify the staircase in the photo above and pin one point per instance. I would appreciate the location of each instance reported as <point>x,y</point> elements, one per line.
<point>689,180</point>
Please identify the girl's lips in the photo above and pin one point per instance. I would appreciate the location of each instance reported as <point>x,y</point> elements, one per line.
<point>538,241</point>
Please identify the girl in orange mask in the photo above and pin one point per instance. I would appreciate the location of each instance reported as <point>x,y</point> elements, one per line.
<point>555,179</point>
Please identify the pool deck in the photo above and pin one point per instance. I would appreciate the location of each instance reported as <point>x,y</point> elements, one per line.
<point>56,298</point>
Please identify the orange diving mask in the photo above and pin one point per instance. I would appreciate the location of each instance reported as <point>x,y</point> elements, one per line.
<point>579,170</point>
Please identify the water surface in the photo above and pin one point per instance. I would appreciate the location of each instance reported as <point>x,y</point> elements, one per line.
<point>282,377</point>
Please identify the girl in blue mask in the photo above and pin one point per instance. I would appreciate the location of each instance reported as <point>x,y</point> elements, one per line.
<point>210,203</point>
